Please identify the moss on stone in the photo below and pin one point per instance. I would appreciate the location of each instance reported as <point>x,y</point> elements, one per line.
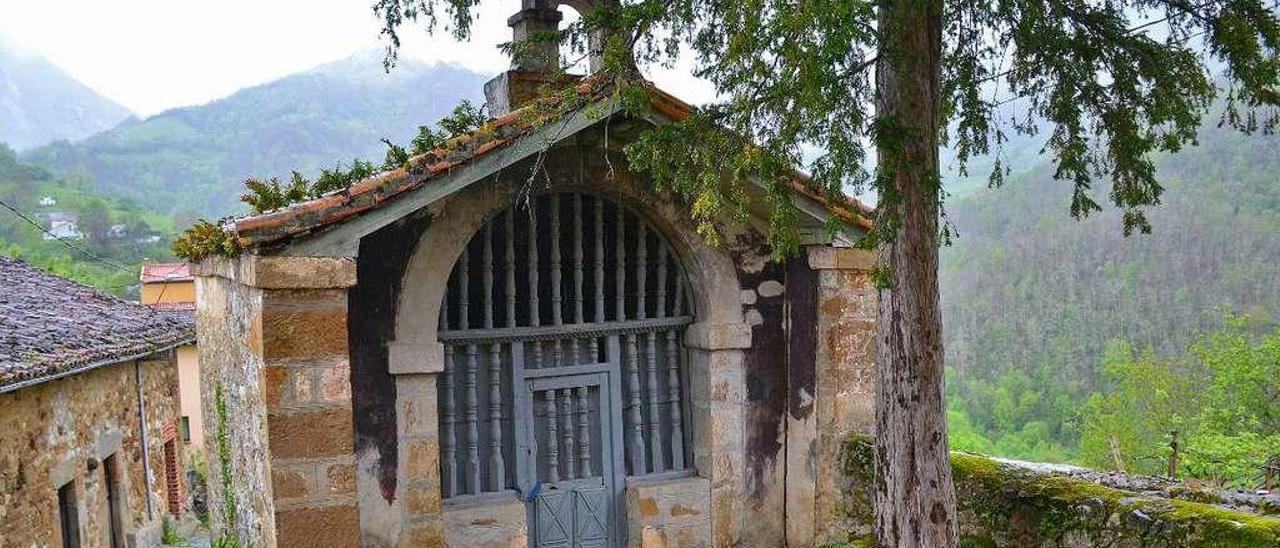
<point>1003,505</point>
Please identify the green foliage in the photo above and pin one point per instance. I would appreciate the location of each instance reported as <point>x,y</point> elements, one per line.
<point>1111,88</point>
<point>192,160</point>
<point>205,239</point>
<point>116,233</point>
<point>396,156</point>
<point>1220,397</point>
<point>169,535</point>
<point>270,195</point>
<point>229,511</point>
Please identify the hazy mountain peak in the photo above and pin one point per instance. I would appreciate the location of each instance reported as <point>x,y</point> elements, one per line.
<point>41,103</point>
<point>195,159</point>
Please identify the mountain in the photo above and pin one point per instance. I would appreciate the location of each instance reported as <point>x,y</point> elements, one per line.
<point>40,103</point>
<point>193,160</point>
<point>1031,297</point>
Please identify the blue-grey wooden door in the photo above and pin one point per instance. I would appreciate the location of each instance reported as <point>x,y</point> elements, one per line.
<point>570,459</point>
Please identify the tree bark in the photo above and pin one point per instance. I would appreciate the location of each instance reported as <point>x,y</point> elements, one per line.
<point>915,501</point>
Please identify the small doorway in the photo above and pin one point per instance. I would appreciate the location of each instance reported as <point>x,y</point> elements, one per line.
<point>115,504</point>
<point>69,515</point>
<point>569,458</point>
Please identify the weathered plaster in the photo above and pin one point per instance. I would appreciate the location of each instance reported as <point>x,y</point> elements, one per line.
<point>62,432</point>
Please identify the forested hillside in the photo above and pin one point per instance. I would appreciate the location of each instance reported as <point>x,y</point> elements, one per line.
<point>40,103</point>
<point>1032,298</point>
<point>108,236</point>
<point>192,161</point>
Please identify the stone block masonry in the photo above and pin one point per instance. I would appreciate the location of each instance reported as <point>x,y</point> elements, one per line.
<point>288,381</point>
<point>669,513</point>
<point>69,432</point>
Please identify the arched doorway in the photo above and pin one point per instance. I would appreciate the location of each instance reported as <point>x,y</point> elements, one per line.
<point>564,365</point>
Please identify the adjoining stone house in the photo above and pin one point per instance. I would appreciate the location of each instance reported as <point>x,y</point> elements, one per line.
<point>170,286</point>
<point>89,454</point>
<point>435,357</point>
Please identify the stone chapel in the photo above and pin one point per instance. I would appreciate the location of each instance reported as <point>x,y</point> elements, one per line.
<point>446,354</point>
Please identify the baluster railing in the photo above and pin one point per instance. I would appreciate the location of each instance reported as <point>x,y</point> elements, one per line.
<point>471,401</point>
<point>552,442</point>
<point>497,466</point>
<point>448,417</point>
<point>557,301</point>
<point>584,433</point>
<point>535,357</point>
<point>598,263</point>
<point>511,268</point>
<point>568,433</point>
<point>635,430</point>
<point>673,385</point>
<point>577,274</point>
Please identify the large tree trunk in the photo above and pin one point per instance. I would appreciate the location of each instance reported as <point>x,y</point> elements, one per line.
<point>915,501</point>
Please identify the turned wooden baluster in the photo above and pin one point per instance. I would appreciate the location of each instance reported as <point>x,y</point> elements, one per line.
<point>673,385</point>
<point>557,302</point>
<point>497,466</point>
<point>448,418</point>
<point>577,274</point>
<point>584,433</point>
<point>567,434</point>
<point>598,263</point>
<point>535,357</point>
<point>511,268</point>
<point>651,352</point>
<point>552,442</point>
<point>631,365</point>
<point>471,402</point>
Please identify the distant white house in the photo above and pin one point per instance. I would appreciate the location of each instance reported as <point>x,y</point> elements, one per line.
<point>48,201</point>
<point>117,232</point>
<point>65,230</point>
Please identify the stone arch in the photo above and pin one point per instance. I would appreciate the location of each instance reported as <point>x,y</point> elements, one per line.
<point>715,343</point>
<point>710,272</point>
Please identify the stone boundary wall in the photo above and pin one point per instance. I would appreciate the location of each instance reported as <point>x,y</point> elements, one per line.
<point>1001,504</point>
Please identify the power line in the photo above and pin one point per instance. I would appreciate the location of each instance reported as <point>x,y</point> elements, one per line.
<point>64,241</point>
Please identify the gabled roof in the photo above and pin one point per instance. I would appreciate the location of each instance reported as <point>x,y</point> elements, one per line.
<point>501,133</point>
<point>51,327</point>
<point>153,273</point>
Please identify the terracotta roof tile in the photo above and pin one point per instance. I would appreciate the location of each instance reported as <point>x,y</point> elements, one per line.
<point>50,326</point>
<point>165,272</point>
<point>371,193</point>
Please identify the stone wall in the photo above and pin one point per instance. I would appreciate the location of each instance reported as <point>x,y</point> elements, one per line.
<point>64,431</point>
<point>274,364</point>
<point>1001,504</point>
<point>669,513</point>
<point>499,522</point>
<point>229,330</point>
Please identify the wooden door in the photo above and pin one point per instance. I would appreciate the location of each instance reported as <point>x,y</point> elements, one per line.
<point>571,459</point>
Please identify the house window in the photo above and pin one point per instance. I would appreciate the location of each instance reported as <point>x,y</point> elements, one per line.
<point>69,515</point>
<point>186,430</point>
<point>115,500</point>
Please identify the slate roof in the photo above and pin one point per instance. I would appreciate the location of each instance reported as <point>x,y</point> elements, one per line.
<point>312,215</point>
<point>51,327</point>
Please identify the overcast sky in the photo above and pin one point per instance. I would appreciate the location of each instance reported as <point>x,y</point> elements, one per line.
<point>152,55</point>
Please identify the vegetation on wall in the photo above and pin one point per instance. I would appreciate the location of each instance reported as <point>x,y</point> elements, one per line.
<point>204,239</point>
<point>227,539</point>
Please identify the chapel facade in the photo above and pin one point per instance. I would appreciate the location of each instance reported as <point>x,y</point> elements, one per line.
<point>461,353</point>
